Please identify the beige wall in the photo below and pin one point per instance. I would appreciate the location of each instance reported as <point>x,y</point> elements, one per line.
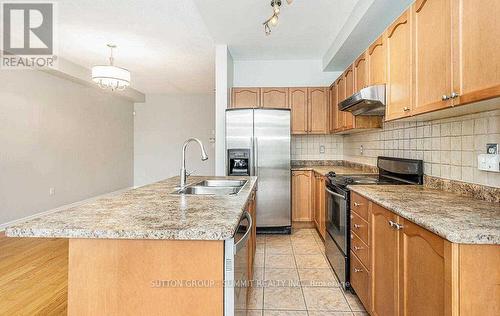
<point>307,147</point>
<point>162,124</point>
<point>449,147</point>
<point>58,134</point>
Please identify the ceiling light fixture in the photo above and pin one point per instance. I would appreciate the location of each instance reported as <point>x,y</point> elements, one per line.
<point>273,20</point>
<point>110,76</point>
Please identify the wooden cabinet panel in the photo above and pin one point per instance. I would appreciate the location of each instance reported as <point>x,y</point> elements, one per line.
<point>475,50</point>
<point>431,20</point>
<point>318,110</point>
<point>349,91</point>
<point>422,268</point>
<point>361,250</point>
<point>360,280</point>
<point>399,68</point>
<point>360,227</point>
<point>245,98</point>
<point>384,243</point>
<point>360,73</point>
<point>359,205</point>
<point>302,196</point>
<point>298,104</point>
<point>377,62</point>
<point>340,97</point>
<point>334,109</point>
<point>276,98</point>
<point>319,205</point>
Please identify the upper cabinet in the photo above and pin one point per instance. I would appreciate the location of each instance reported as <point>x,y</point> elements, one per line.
<point>475,50</point>
<point>360,72</point>
<point>298,104</point>
<point>398,89</point>
<point>376,56</point>
<point>245,98</point>
<point>334,109</point>
<point>340,84</point>
<point>431,55</point>
<point>276,98</point>
<point>318,110</point>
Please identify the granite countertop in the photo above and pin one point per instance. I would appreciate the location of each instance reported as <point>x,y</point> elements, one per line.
<point>325,169</point>
<point>148,212</point>
<point>456,218</point>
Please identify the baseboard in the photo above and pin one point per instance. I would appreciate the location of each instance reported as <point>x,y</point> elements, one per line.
<point>60,208</point>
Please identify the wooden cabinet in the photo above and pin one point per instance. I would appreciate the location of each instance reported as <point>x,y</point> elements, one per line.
<point>334,109</point>
<point>319,205</point>
<point>245,98</point>
<point>399,68</point>
<point>422,265</point>
<point>377,62</point>
<point>302,195</point>
<point>360,73</point>
<point>431,26</point>
<point>275,98</point>
<point>341,96</point>
<point>298,104</point>
<point>318,110</point>
<point>384,243</point>
<point>476,67</point>
<point>349,91</point>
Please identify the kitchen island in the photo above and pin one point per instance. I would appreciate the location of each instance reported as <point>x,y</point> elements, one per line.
<point>147,251</point>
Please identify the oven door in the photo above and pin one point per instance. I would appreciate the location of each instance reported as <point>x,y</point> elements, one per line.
<point>337,221</point>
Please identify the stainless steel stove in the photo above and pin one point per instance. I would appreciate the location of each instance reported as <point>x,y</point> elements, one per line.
<point>392,171</point>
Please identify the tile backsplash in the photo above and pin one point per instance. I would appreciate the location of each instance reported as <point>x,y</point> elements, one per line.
<point>308,147</point>
<point>449,147</point>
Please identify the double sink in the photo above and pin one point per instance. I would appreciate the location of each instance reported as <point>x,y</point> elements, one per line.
<point>213,187</point>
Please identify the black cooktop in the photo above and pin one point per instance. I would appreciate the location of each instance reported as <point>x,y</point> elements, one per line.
<point>353,179</point>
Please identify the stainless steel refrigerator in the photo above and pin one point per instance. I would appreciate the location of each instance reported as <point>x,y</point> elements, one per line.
<point>261,138</point>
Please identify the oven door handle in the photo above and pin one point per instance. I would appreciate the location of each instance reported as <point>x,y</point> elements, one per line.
<point>335,194</point>
<point>243,239</point>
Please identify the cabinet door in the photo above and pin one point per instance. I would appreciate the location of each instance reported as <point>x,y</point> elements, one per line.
<point>275,98</point>
<point>399,68</point>
<point>301,196</point>
<point>431,20</point>
<point>245,98</point>
<point>318,110</point>
<point>349,90</point>
<point>422,271</point>
<point>475,50</point>
<point>377,62</point>
<point>360,73</point>
<point>384,243</point>
<point>317,200</point>
<point>340,97</point>
<point>334,109</point>
<point>322,208</point>
<point>298,104</point>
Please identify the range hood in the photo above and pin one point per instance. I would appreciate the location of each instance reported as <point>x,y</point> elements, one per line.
<point>368,101</point>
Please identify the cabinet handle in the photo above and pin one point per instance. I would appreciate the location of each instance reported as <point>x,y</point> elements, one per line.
<point>398,226</point>
<point>356,248</point>
<point>454,95</point>
<point>445,97</point>
<point>357,204</point>
<point>406,109</point>
<point>391,223</point>
<point>358,270</point>
<point>357,226</point>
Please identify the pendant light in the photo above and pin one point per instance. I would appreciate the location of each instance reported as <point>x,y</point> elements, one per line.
<point>110,76</point>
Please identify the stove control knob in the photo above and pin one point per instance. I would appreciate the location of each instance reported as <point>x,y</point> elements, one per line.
<point>331,174</point>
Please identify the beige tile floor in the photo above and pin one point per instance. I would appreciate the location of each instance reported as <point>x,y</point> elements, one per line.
<point>293,277</point>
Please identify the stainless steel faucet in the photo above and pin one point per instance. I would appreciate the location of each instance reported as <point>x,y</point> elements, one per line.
<point>204,157</point>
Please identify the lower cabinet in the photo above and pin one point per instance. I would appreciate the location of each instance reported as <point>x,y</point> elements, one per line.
<point>302,199</point>
<point>412,271</point>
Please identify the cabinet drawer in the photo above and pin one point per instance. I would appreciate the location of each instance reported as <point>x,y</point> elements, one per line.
<point>360,227</point>
<point>359,205</point>
<point>360,281</point>
<point>360,249</point>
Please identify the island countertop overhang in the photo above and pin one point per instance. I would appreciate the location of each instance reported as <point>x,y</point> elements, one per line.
<point>150,212</point>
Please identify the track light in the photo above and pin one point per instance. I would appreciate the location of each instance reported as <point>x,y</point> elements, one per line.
<point>273,20</point>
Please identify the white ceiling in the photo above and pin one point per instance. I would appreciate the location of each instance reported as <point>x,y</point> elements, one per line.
<point>306,28</point>
<point>164,43</point>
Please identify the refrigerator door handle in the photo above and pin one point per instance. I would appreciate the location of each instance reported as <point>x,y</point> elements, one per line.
<point>256,154</point>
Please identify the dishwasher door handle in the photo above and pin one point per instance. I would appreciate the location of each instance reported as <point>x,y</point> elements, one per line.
<point>245,237</point>
<point>335,194</point>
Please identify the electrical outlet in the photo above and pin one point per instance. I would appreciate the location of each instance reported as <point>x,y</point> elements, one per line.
<point>52,191</point>
<point>361,149</point>
<point>321,149</point>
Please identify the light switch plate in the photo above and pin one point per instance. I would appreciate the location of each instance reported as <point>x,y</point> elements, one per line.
<point>321,149</point>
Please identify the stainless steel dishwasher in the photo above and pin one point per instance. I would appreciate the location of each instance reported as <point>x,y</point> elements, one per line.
<point>236,267</point>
